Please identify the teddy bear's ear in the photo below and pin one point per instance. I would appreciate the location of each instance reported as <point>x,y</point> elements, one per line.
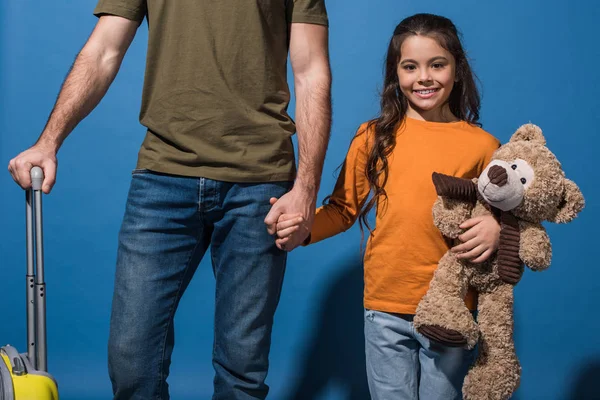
<point>529,132</point>
<point>572,203</point>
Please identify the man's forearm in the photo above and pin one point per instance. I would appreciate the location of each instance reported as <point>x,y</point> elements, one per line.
<point>85,85</point>
<point>313,123</point>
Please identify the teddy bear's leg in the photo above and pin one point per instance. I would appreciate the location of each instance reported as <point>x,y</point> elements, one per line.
<point>496,372</point>
<point>442,315</point>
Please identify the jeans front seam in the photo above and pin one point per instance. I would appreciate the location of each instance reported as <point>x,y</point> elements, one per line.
<point>201,190</point>
<point>172,313</point>
<point>171,316</point>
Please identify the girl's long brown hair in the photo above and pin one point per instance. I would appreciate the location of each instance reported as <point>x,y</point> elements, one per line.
<point>464,100</point>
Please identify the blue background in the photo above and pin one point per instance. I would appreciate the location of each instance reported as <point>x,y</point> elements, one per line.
<point>538,61</point>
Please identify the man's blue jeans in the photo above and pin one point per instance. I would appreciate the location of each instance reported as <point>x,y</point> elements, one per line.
<point>402,364</point>
<point>169,223</point>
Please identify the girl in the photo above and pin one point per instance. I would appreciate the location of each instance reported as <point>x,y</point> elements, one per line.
<point>428,122</point>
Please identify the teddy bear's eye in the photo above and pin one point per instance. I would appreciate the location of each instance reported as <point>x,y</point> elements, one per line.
<point>514,166</point>
<point>523,181</point>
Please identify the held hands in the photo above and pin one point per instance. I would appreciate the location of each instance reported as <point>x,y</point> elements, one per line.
<point>291,218</point>
<point>480,240</point>
<point>20,166</point>
<point>287,225</point>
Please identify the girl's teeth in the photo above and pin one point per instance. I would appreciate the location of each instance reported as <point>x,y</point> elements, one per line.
<point>425,91</point>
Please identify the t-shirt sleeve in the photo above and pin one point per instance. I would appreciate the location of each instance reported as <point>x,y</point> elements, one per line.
<point>348,197</point>
<point>134,10</point>
<point>307,11</point>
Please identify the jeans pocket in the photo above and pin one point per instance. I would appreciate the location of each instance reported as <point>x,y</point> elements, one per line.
<point>138,171</point>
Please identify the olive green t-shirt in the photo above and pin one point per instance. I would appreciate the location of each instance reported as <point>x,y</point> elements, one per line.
<point>215,91</point>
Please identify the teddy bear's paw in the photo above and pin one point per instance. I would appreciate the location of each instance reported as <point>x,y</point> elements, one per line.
<point>446,320</point>
<point>493,381</point>
<point>447,337</point>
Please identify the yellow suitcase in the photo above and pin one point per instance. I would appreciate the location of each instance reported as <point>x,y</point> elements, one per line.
<point>25,376</point>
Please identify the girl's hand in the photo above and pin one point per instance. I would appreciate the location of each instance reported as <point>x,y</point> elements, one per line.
<point>287,224</point>
<point>481,239</point>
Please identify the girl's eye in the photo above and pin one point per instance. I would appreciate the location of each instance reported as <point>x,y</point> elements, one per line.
<point>514,166</point>
<point>438,66</point>
<point>409,67</point>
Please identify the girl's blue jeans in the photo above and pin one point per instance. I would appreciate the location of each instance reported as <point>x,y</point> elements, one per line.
<point>402,364</point>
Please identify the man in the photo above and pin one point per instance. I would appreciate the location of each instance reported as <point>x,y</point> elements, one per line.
<point>216,150</point>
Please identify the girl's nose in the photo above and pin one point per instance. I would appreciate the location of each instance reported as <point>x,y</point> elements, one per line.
<point>424,76</point>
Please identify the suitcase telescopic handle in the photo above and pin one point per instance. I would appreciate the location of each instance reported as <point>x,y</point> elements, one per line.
<point>37,177</point>
<point>36,287</point>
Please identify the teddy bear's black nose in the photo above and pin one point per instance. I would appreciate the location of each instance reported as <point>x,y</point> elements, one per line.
<point>497,175</point>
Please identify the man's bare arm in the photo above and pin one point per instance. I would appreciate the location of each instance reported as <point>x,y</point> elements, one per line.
<point>312,82</point>
<point>93,71</point>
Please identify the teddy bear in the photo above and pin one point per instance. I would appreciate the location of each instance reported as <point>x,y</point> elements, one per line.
<point>523,185</point>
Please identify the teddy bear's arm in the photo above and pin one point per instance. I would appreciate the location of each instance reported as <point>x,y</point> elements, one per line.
<point>455,188</point>
<point>535,248</point>
<point>448,214</point>
<point>456,198</point>
<point>510,265</point>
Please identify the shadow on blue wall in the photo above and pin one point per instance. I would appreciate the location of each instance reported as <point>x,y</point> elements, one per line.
<point>335,354</point>
<point>586,384</point>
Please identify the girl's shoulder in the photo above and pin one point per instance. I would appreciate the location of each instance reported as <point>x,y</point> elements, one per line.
<point>365,132</point>
<point>480,135</point>
<point>366,128</point>
<point>363,139</point>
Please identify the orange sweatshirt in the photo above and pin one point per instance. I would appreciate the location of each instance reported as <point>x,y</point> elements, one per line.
<point>404,249</point>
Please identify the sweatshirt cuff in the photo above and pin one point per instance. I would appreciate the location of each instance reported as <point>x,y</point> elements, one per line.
<point>307,241</point>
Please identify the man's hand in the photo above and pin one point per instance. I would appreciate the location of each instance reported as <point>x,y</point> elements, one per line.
<point>481,239</point>
<point>302,204</point>
<point>37,155</point>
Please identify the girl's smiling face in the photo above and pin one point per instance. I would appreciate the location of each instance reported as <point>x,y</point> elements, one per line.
<point>426,74</point>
